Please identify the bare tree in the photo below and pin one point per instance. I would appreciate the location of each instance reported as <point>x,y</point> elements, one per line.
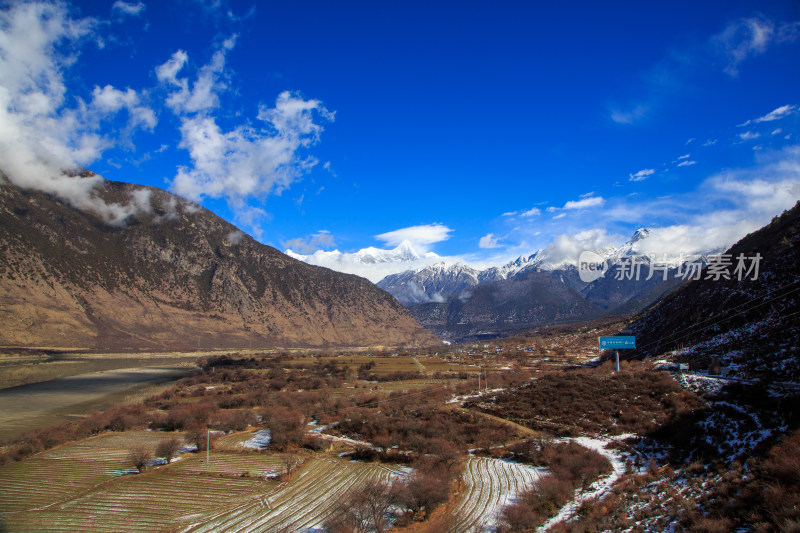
<point>140,455</point>
<point>290,461</point>
<point>169,448</point>
<point>366,509</point>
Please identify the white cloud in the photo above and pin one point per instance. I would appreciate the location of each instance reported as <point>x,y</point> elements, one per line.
<point>565,248</point>
<point>204,92</point>
<point>630,116</point>
<point>711,142</point>
<point>687,163</point>
<point>749,136</point>
<point>310,243</point>
<point>776,131</point>
<point>586,202</point>
<point>684,156</point>
<point>641,174</point>
<point>43,130</point>
<point>247,162</point>
<point>509,214</point>
<point>130,9</point>
<point>532,212</point>
<point>742,39</point>
<point>489,241</point>
<point>776,114</point>
<point>749,37</point>
<point>420,237</point>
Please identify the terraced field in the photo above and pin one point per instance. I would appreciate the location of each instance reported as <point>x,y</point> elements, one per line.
<point>301,504</point>
<point>78,487</point>
<point>488,485</point>
<point>81,487</point>
<point>228,463</point>
<point>67,471</point>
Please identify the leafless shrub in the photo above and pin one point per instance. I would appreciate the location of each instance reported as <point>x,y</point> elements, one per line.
<point>169,448</point>
<point>139,456</point>
<point>365,510</point>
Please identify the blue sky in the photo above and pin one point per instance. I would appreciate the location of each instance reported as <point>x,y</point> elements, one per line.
<point>490,129</point>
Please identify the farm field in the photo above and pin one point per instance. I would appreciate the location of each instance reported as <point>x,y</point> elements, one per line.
<point>85,486</point>
<point>488,485</point>
<point>70,487</point>
<point>301,504</point>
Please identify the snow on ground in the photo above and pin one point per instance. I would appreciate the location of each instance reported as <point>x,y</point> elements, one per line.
<point>345,440</point>
<point>464,398</point>
<point>599,488</point>
<point>260,440</point>
<point>699,383</point>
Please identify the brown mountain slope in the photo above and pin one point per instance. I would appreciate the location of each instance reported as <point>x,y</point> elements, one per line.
<point>751,326</point>
<point>178,277</point>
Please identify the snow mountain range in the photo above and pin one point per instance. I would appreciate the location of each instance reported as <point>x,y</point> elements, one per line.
<point>438,281</point>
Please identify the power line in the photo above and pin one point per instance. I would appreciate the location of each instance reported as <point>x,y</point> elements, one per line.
<point>718,321</point>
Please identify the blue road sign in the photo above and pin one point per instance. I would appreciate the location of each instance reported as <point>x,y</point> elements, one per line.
<point>617,343</point>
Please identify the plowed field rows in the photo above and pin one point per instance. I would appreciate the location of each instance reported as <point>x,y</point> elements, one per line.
<point>66,471</point>
<point>301,504</point>
<point>489,485</point>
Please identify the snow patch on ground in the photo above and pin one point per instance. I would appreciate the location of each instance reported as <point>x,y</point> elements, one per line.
<point>260,440</point>
<point>600,488</point>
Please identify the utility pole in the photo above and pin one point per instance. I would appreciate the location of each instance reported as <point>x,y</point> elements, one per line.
<point>208,443</point>
<point>616,354</point>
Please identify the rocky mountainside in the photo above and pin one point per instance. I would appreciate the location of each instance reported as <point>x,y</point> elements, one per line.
<point>431,284</point>
<point>172,276</point>
<point>748,327</point>
<point>438,295</point>
<point>504,307</point>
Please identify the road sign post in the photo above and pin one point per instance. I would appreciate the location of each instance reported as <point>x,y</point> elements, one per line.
<point>617,343</point>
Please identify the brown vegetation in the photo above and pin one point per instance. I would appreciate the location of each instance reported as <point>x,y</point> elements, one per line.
<point>570,467</point>
<point>140,455</point>
<point>595,401</point>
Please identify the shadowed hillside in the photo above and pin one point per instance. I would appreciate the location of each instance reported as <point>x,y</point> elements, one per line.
<point>172,276</point>
<point>751,326</point>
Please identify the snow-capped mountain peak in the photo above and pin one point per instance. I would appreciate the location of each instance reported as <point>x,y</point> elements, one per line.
<point>403,252</point>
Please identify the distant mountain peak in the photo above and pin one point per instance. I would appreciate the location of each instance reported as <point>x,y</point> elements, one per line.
<point>639,234</point>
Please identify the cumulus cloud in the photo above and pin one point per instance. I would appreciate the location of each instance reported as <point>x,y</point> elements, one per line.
<point>489,241</point>
<point>353,263</point>
<point>310,243</point>
<point>565,248</point>
<point>245,162</point>
<point>749,136</point>
<point>641,174</point>
<point>532,212</point>
<point>46,135</point>
<point>419,236</point>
